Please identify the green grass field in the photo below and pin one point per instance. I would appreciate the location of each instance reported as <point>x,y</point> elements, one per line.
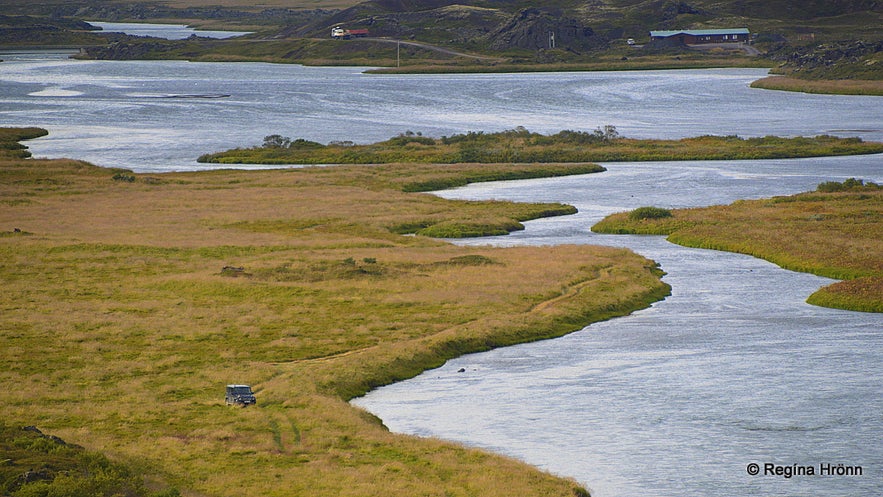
<point>131,300</point>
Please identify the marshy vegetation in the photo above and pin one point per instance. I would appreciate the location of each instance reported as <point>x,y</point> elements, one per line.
<point>130,302</point>
<point>823,86</point>
<point>10,138</point>
<point>834,231</point>
<point>522,146</point>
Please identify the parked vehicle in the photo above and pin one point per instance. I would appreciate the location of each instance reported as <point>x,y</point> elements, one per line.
<point>240,395</point>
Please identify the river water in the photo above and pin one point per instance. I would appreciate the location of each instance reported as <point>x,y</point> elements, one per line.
<point>165,31</point>
<point>678,399</point>
<point>161,116</point>
<point>732,369</point>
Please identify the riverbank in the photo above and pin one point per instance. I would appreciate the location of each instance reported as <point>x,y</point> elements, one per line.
<point>833,232</point>
<point>132,299</point>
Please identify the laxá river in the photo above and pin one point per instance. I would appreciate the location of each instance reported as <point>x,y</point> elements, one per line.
<point>679,399</point>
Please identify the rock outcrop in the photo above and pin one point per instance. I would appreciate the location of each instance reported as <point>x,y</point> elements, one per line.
<point>536,29</point>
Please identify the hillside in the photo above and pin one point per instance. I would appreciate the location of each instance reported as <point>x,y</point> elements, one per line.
<point>609,20</point>
<point>811,40</point>
<point>501,24</point>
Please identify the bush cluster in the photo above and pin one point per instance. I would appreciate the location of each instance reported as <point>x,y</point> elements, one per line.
<point>279,141</point>
<point>649,213</point>
<point>849,184</point>
<point>410,137</point>
<point>127,178</point>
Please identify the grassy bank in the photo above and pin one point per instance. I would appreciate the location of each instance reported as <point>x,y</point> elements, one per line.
<point>839,87</point>
<point>10,138</point>
<point>834,232</point>
<point>130,300</point>
<point>616,61</point>
<point>522,146</point>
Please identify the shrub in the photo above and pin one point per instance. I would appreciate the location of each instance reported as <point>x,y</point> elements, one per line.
<point>850,184</point>
<point>471,260</point>
<point>649,213</point>
<point>276,141</point>
<point>410,137</point>
<point>301,144</point>
<point>124,177</point>
<point>600,135</point>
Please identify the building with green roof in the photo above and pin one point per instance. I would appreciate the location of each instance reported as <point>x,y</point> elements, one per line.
<point>699,36</point>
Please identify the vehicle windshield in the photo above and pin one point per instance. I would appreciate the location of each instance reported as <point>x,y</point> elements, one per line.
<point>241,390</point>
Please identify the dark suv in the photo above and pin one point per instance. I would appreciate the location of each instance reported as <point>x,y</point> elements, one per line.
<point>240,395</point>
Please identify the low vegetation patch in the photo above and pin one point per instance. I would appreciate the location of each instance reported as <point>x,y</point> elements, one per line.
<point>834,231</point>
<point>131,304</point>
<point>824,86</point>
<point>10,148</point>
<point>522,146</point>
<point>649,213</point>
<point>35,465</point>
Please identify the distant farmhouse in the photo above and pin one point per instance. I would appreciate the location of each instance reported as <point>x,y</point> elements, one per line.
<point>699,36</point>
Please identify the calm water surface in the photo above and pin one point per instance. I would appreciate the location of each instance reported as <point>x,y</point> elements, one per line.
<point>131,114</point>
<point>675,400</point>
<point>166,31</point>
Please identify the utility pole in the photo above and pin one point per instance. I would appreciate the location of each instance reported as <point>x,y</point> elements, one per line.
<point>398,53</point>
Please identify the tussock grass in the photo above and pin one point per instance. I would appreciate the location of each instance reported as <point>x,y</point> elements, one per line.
<point>125,312</point>
<point>831,232</point>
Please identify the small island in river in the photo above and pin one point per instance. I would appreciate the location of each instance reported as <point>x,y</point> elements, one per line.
<point>522,146</point>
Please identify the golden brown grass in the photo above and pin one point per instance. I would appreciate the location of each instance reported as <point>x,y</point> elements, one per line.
<point>119,326</point>
<point>837,234</point>
<point>840,86</point>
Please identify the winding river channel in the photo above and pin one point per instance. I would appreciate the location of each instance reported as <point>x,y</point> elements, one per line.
<point>733,369</point>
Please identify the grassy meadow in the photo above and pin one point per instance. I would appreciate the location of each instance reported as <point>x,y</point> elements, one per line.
<point>520,145</point>
<point>130,300</point>
<point>835,232</point>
